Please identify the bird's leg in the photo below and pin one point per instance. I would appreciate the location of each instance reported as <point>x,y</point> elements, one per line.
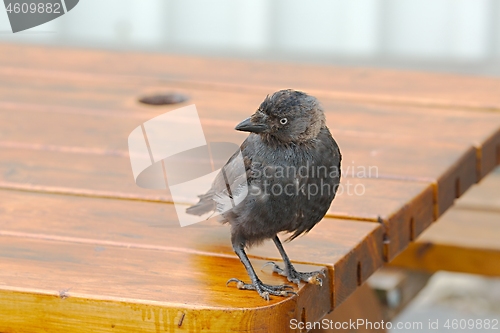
<point>290,272</point>
<point>264,290</point>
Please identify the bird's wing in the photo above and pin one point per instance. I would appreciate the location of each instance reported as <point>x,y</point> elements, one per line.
<point>220,195</point>
<point>316,207</point>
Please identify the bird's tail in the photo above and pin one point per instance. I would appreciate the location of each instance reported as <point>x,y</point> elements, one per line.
<point>205,205</point>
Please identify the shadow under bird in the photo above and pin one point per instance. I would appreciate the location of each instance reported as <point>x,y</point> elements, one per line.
<point>292,166</point>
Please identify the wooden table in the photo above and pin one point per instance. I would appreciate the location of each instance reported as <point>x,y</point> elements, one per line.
<point>83,248</point>
<point>466,237</point>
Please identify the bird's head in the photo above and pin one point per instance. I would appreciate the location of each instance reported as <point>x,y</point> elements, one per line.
<point>288,116</point>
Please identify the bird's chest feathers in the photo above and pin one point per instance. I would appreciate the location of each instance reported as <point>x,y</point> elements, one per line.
<point>289,163</point>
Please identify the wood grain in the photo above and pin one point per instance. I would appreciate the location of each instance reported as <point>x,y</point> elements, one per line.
<point>462,241</point>
<point>334,243</point>
<point>75,258</point>
<point>465,238</point>
<point>481,130</point>
<point>65,286</point>
<point>388,86</point>
<point>93,96</point>
<point>484,196</point>
<point>399,205</point>
<point>348,122</point>
<point>363,144</point>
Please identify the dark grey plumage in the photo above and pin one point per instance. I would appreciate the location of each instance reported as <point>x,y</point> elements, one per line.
<point>289,148</point>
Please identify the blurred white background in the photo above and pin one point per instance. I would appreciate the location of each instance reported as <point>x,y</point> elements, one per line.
<point>444,35</point>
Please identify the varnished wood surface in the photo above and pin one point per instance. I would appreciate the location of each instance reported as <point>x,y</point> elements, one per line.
<point>149,224</point>
<point>387,86</point>
<point>91,287</point>
<point>112,97</point>
<point>466,238</point>
<point>462,241</point>
<point>484,196</point>
<point>362,304</point>
<point>418,145</point>
<point>396,203</point>
<point>136,253</point>
<point>72,217</point>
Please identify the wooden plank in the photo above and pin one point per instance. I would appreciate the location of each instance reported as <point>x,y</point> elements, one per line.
<point>387,86</point>
<point>63,286</point>
<point>453,159</point>
<point>367,148</point>
<point>450,168</point>
<point>384,153</point>
<point>219,129</point>
<point>426,124</point>
<point>484,196</point>
<point>465,239</point>
<point>363,304</point>
<point>351,251</point>
<point>396,288</point>
<point>405,208</point>
<point>481,130</point>
<point>462,240</point>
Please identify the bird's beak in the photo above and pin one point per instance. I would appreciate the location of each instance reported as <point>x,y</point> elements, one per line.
<point>248,125</point>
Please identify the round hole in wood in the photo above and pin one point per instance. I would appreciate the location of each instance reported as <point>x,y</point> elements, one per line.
<point>163,99</point>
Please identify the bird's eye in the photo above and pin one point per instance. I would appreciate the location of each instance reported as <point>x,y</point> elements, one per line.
<point>283,121</point>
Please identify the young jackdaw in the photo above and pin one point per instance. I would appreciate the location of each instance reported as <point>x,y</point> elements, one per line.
<point>292,168</point>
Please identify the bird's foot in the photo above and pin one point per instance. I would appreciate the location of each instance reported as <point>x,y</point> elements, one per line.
<point>264,290</point>
<point>297,277</point>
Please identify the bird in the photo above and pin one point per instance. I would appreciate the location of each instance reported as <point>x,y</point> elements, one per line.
<point>292,168</point>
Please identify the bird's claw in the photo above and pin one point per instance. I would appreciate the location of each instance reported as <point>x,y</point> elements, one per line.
<point>315,279</point>
<point>239,284</point>
<point>276,268</point>
<point>264,290</point>
<point>296,277</point>
<point>267,264</point>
